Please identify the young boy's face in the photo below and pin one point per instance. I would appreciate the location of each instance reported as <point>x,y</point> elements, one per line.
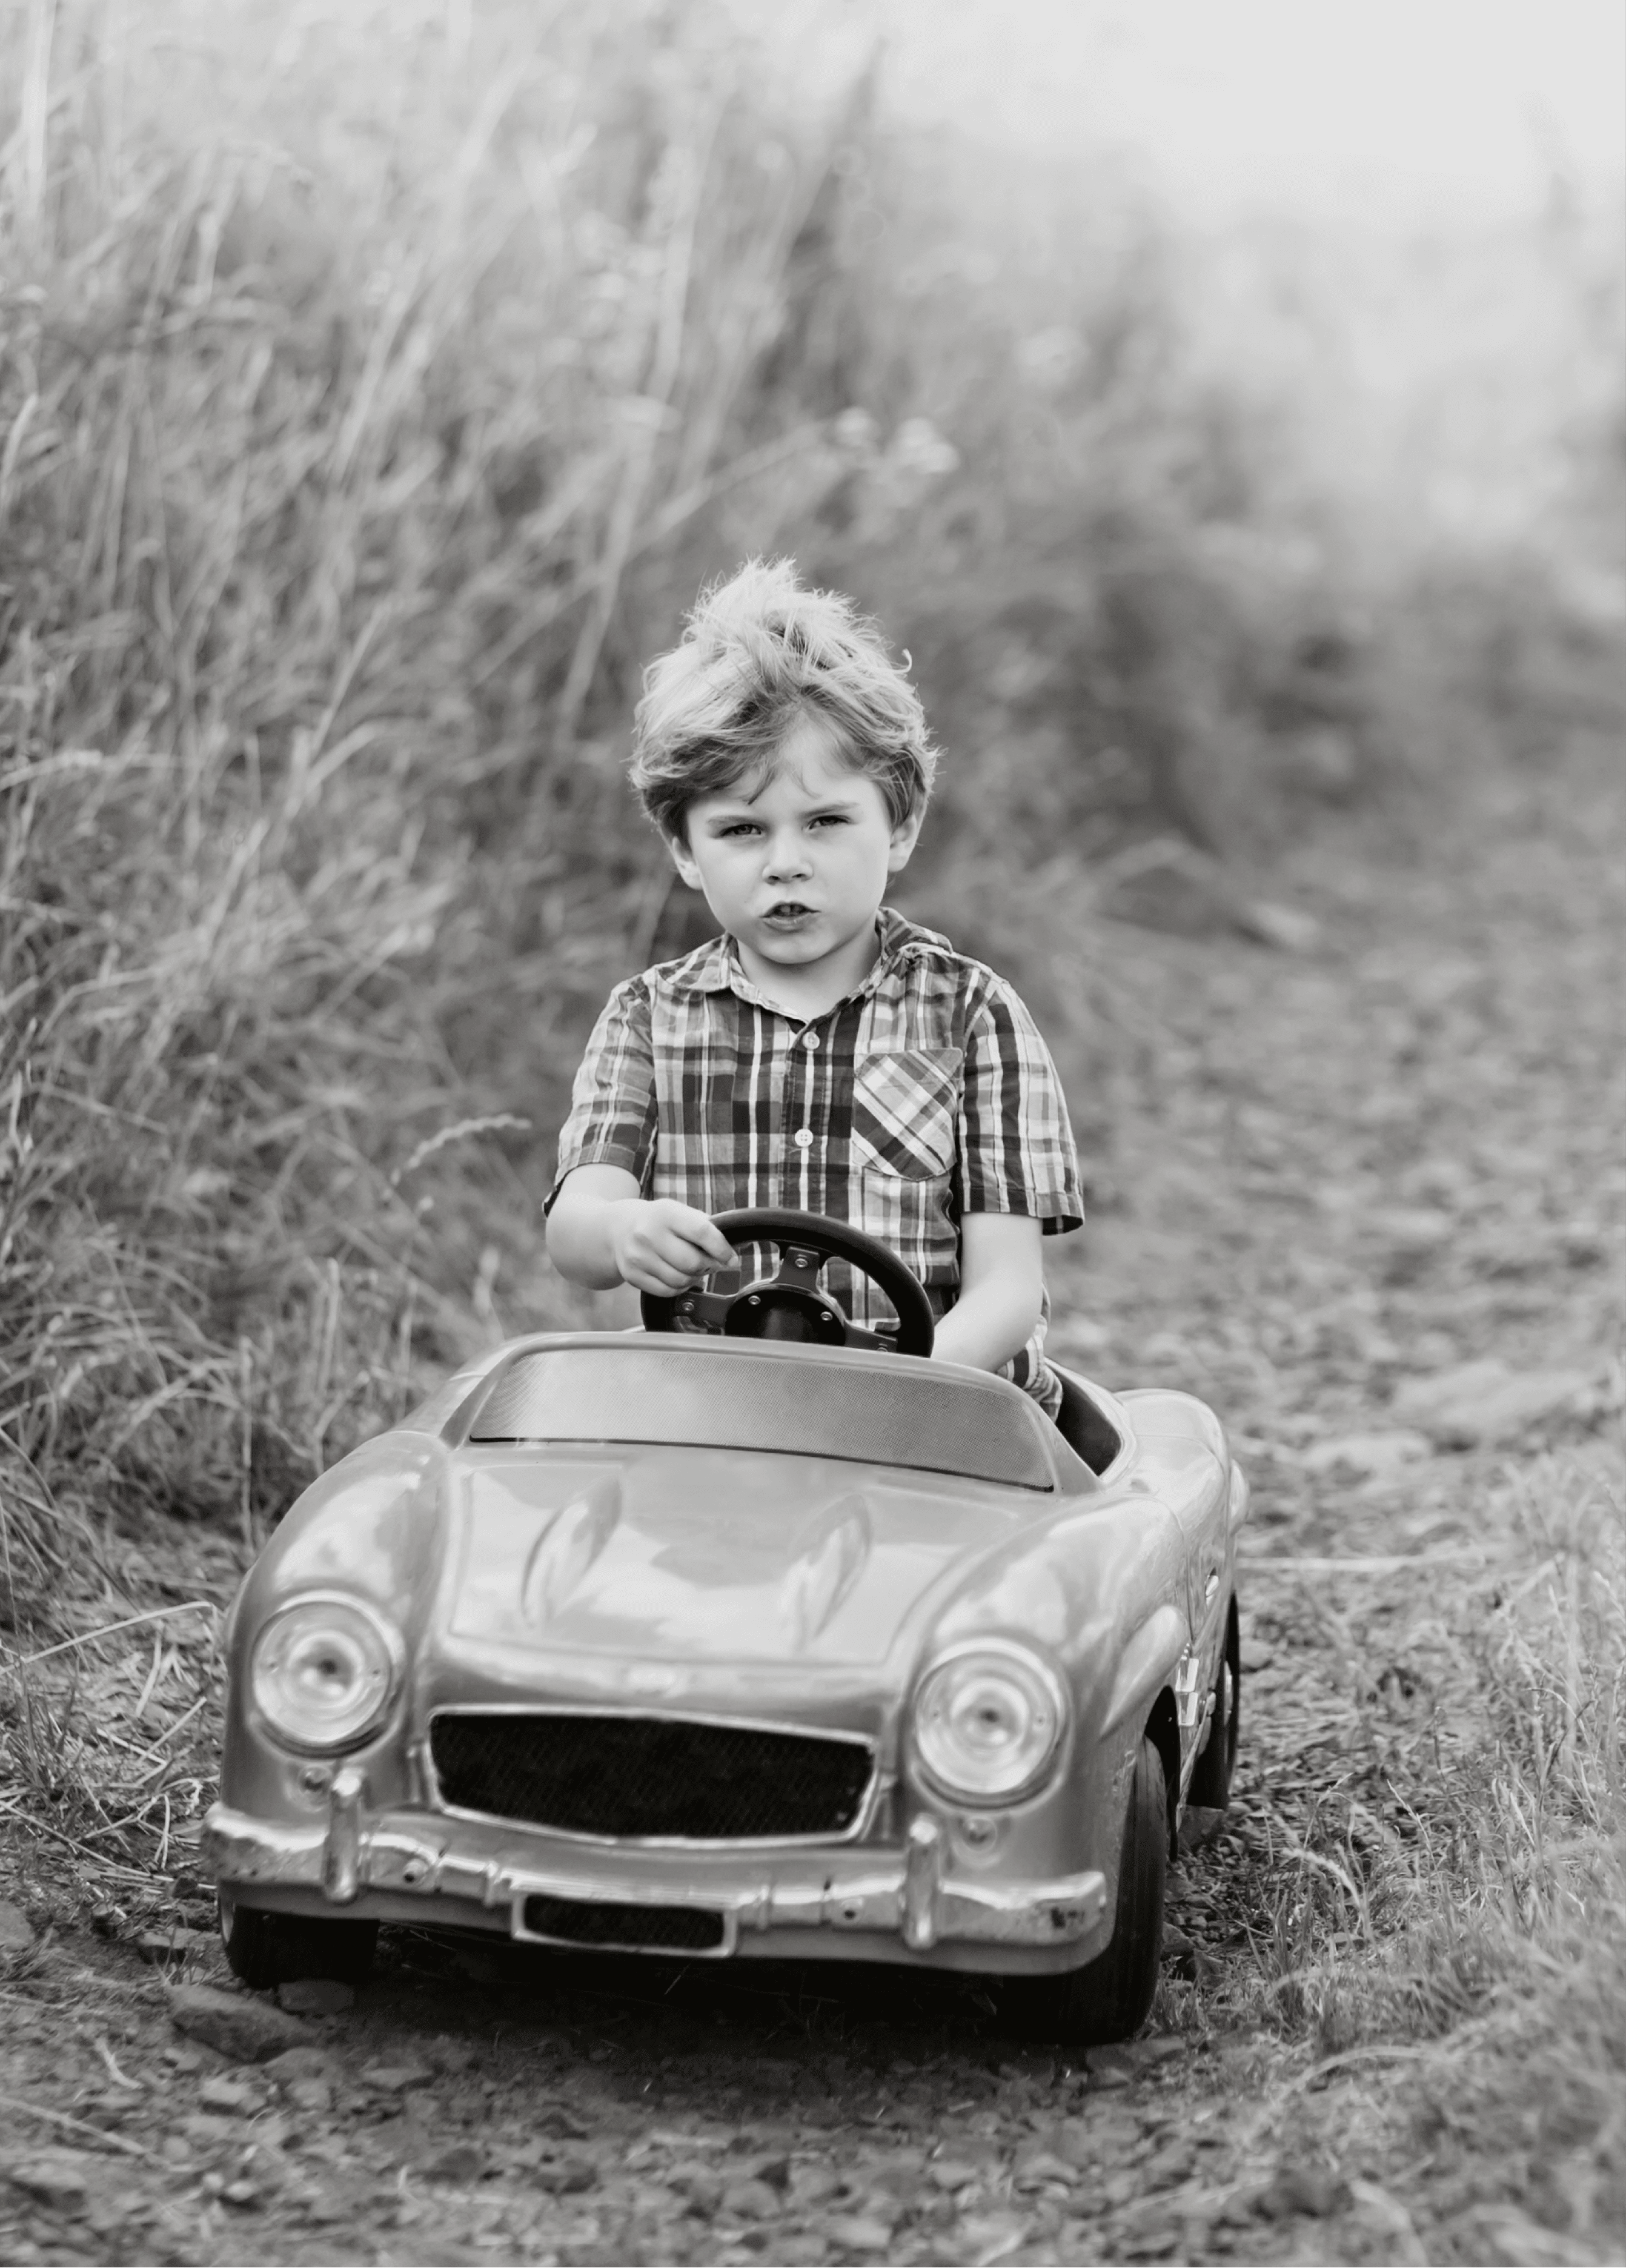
<point>794,860</point>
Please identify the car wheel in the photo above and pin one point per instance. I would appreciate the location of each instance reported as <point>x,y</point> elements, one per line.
<point>1209,1787</point>
<point>266,1949</point>
<point>1109,1997</point>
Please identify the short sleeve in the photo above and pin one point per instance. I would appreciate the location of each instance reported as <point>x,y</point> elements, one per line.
<point>1016,1143</point>
<point>613,1116</point>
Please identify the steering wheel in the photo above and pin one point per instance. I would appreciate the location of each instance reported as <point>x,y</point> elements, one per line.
<point>790,1305</point>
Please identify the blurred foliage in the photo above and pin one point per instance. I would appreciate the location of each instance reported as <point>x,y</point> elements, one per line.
<point>375,389</point>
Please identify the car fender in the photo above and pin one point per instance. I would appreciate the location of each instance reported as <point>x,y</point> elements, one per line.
<point>1147,1663</point>
<point>1241,1494</point>
<point>371,1528</point>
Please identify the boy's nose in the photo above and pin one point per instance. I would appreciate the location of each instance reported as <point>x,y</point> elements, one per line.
<point>786,858</point>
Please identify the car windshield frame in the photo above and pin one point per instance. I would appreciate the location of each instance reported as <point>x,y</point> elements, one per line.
<point>652,1390</point>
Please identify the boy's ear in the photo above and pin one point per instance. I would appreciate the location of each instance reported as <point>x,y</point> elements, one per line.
<point>678,844</point>
<point>905,836</point>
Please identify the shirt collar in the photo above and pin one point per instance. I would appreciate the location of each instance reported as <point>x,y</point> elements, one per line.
<point>715,967</point>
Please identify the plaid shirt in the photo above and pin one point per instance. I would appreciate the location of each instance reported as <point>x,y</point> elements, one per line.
<point>925,1094</point>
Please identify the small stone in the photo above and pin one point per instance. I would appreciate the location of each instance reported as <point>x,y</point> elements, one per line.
<point>701,2186</point>
<point>1075,2142</point>
<point>811,2186</point>
<point>1167,2166</point>
<point>805,2249</point>
<point>317,1996</point>
<point>1287,928</point>
<point>993,2235</point>
<point>224,2094</point>
<point>952,2174</point>
<point>107,2216</point>
<point>858,2233</point>
<point>452,2056</point>
<point>1161,2048</point>
<point>1302,2189</point>
<point>567,2177</point>
<point>242,2030</point>
<point>464,2161</point>
<point>749,2201</point>
<point>162,1946</point>
<point>241,2194</point>
<point>57,2178</point>
<point>210,2130</point>
<point>299,2063</point>
<point>395,2078</point>
<point>1108,2067</point>
<point>898,2179</point>
<point>556,2118</point>
<point>16,1932</point>
<point>1036,2167</point>
<point>312,2095</point>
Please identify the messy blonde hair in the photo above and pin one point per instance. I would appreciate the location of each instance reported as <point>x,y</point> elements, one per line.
<point>759,653</point>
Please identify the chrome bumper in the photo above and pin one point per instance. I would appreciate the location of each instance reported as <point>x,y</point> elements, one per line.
<point>909,1894</point>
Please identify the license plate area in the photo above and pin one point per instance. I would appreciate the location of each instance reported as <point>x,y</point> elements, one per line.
<point>613,1926</point>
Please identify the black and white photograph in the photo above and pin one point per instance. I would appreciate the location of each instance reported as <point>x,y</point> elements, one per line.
<point>812,1132</point>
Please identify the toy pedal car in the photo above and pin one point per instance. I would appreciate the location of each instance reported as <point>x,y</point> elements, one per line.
<point>742,1635</point>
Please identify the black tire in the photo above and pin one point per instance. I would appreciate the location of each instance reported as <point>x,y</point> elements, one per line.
<point>1110,1997</point>
<point>268,1949</point>
<point>1209,1787</point>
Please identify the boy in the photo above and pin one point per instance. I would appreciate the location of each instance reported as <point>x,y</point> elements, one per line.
<point>822,1053</point>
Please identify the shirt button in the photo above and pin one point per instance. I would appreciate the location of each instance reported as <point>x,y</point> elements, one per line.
<point>810,1041</point>
<point>803,1138</point>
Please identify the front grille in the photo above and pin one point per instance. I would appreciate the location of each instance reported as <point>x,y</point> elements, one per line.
<point>642,1929</point>
<point>659,1776</point>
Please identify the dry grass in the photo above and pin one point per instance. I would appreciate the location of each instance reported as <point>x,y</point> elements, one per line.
<point>1419,1900</point>
<point>361,429</point>
<point>355,448</point>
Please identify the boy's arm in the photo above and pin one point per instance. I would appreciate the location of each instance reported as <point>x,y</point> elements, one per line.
<point>602,1232</point>
<point>1001,1290</point>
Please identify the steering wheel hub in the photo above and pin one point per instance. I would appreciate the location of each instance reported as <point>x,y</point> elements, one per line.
<point>788,1306</point>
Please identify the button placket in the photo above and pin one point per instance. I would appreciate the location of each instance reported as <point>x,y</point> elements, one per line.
<point>802,1049</point>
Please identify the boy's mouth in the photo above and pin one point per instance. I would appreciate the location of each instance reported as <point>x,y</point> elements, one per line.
<point>789,913</point>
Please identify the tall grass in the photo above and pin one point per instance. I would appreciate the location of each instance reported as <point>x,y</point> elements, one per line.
<point>1521,2105</point>
<point>376,387</point>
<point>1444,1935</point>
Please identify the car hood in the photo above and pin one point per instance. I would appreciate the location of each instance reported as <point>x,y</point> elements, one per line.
<point>694,1555</point>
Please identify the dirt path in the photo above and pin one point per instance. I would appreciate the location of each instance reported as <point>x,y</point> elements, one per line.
<point>1334,1172</point>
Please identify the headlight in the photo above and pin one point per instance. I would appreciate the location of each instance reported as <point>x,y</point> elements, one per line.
<point>989,1719</point>
<point>323,1672</point>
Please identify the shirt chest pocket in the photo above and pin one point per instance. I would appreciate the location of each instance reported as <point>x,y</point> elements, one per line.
<point>905,1108</point>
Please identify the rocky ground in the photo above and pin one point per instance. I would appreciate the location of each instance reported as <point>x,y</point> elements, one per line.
<point>1363,1195</point>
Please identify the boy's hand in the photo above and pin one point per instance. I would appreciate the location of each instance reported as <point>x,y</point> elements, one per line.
<point>661,1246</point>
<point>602,1232</point>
